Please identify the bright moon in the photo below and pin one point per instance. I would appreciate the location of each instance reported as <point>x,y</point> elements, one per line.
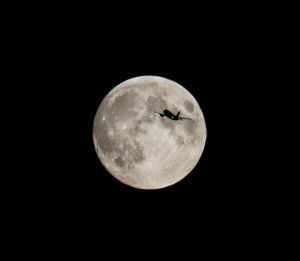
<point>139,147</point>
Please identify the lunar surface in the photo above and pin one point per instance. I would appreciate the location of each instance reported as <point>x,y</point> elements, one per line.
<point>137,145</point>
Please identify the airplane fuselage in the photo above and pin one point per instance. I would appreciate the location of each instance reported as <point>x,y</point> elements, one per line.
<point>170,115</point>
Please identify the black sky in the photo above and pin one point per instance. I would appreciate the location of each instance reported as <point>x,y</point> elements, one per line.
<point>218,66</point>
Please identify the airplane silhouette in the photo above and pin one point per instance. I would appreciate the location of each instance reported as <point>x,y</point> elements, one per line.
<point>171,116</point>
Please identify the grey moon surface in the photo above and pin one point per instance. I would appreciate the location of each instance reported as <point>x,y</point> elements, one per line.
<point>139,147</point>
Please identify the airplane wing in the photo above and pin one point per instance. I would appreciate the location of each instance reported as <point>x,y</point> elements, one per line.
<point>183,118</point>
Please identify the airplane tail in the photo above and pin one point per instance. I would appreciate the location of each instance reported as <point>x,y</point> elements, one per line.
<point>178,114</point>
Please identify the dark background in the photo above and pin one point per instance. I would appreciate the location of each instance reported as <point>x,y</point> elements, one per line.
<point>69,62</point>
<point>229,187</point>
<point>218,63</point>
<point>221,63</point>
<point>219,77</point>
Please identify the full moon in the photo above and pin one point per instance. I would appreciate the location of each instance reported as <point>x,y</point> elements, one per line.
<point>138,144</point>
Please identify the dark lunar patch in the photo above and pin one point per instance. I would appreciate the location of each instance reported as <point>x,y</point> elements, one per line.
<point>189,106</point>
<point>101,133</point>
<point>134,151</point>
<point>156,104</point>
<point>138,154</point>
<point>123,105</point>
<point>120,162</point>
<point>120,109</point>
<point>134,131</point>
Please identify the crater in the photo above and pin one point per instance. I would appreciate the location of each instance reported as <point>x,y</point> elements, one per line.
<point>189,106</point>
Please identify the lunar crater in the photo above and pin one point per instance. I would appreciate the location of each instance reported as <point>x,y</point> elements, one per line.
<point>189,106</point>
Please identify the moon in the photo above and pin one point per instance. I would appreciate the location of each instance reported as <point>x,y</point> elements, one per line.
<point>139,147</point>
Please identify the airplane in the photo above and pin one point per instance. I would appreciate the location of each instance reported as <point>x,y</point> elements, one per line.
<point>171,116</point>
